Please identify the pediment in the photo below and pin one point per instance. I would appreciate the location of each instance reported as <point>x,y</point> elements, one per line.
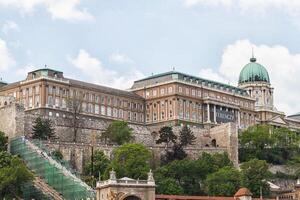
<point>278,120</point>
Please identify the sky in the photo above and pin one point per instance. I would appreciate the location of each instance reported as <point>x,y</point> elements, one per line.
<point>114,42</point>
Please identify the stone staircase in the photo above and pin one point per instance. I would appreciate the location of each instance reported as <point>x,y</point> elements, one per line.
<point>46,189</point>
<point>52,178</point>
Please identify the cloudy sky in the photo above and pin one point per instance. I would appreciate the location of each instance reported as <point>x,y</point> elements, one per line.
<point>113,42</point>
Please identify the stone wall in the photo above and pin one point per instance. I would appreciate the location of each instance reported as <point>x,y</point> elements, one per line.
<point>15,121</point>
<point>12,119</point>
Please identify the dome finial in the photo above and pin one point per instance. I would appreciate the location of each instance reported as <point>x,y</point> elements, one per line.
<point>252,59</point>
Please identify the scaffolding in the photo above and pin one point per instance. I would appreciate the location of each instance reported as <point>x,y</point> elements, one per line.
<point>52,172</point>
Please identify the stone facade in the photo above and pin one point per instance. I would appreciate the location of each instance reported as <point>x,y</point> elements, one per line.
<point>11,117</point>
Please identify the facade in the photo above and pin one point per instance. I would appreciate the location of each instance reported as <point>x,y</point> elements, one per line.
<point>170,98</point>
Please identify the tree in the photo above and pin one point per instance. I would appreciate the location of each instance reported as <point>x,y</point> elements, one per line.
<point>167,136</point>
<point>118,132</point>
<point>13,174</point>
<point>190,174</point>
<point>256,137</point>
<point>169,186</point>
<point>285,138</point>
<point>74,105</point>
<point>255,175</point>
<point>225,182</point>
<point>57,155</point>
<point>131,160</point>
<point>3,141</point>
<point>101,164</point>
<point>186,136</point>
<point>43,129</point>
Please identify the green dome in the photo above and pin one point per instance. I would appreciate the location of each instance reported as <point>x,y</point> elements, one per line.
<point>254,72</point>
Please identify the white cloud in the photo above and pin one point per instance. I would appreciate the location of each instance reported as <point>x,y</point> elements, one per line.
<point>9,26</point>
<point>97,73</point>
<point>292,7</point>
<point>59,9</point>
<point>282,65</point>
<point>24,70</point>
<point>190,3</point>
<point>6,59</point>
<point>120,58</point>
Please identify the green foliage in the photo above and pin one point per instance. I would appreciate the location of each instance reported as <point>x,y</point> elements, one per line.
<point>101,164</point>
<point>190,174</point>
<point>57,155</point>
<point>224,182</point>
<point>254,176</point>
<point>13,173</point>
<point>131,160</point>
<point>276,146</point>
<point>43,129</point>
<point>3,141</point>
<point>169,186</point>
<point>118,132</point>
<point>186,136</point>
<point>167,136</point>
<point>256,137</point>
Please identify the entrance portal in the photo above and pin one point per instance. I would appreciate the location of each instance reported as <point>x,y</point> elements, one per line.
<point>132,198</point>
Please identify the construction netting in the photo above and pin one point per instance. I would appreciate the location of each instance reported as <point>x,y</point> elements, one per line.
<point>53,173</point>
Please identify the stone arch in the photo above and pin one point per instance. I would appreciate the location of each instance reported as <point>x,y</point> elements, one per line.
<point>131,197</point>
<point>214,143</point>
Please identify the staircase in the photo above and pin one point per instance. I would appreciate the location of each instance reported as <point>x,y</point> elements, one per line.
<point>51,177</point>
<point>46,189</point>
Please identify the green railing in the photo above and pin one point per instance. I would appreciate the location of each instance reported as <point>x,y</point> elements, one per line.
<point>52,172</point>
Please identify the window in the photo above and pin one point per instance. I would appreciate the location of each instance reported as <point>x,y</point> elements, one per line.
<point>102,110</point>
<point>115,112</point>
<point>154,92</point>
<point>57,102</point>
<point>193,92</point>
<point>109,111</point>
<point>147,94</point>
<point>162,91</point>
<point>37,100</point>
<point>50,100</point>
<point>96,109</point>
<point>120,113</point>
<point>64,104</point>
<point>170,114</point>
<point>180,89</point>
<point>170,90</point>
<point>30,102</point>
<point>187,91</point>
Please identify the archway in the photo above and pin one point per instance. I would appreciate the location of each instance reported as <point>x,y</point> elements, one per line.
<point>131,198</point>
<point>214,143</point>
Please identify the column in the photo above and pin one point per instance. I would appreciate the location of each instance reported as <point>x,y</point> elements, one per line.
<point>208,114</point>
<point>239,118</point>
<point>215,114</point>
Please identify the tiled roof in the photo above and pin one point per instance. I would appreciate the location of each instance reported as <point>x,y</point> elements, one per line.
<point>104,89</point>
<point>243,192</point>
<point>192,77</point>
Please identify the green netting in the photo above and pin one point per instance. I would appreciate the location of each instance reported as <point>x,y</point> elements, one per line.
<point>30,192</point>
<point>53,173</point>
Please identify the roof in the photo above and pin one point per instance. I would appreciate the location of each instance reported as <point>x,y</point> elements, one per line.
<point>296,114</point>
<point>104,89</point>
<point>45,68</point>
<point>243,192</point>
<point>192,77</point>
<point>254,72</point>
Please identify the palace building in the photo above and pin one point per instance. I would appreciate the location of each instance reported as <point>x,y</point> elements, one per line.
<point>167,98</point>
